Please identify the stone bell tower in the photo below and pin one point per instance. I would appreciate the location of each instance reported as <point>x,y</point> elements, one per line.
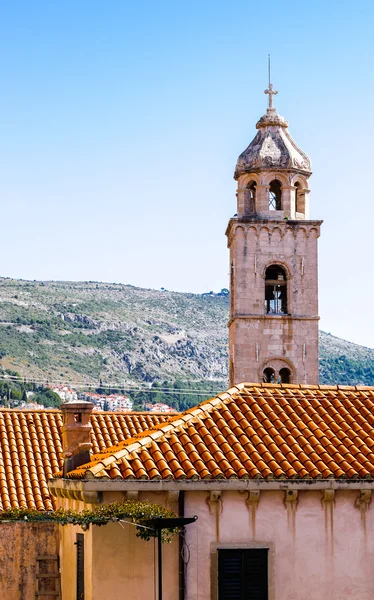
<point>273,326</point>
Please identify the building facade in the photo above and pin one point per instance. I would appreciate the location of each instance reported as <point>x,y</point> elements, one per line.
<point>273,326</point>
<point>281,480</point>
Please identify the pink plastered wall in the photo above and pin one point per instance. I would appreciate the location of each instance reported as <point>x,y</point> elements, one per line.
<point>317,550</point>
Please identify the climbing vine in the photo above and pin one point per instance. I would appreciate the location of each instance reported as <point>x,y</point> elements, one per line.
<point>131,510</point>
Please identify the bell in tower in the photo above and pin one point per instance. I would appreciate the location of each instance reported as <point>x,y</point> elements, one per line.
<point>273,326</point>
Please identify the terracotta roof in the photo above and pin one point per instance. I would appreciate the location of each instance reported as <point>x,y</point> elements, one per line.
<point>30,447</point>
<point>253,431</point>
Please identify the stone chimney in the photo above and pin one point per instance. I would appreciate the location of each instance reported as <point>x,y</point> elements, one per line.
<point>76,434</point>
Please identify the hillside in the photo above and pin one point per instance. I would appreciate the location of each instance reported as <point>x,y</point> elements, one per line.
<point>64,331</point>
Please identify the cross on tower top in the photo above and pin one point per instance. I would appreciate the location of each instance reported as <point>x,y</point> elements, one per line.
<point>271,93</point>
<point>270,90</point>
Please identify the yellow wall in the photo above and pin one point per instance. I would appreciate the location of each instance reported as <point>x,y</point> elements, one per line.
<point>68,554</point>
<point>117,563</point>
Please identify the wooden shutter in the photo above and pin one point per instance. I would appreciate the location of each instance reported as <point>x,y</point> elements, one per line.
<point>243,574</point>
<point>80,566</point>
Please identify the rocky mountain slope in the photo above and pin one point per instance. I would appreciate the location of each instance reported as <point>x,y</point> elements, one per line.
<point>66,331</point>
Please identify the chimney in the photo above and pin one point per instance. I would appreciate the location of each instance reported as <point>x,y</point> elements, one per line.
<point>76,434</point>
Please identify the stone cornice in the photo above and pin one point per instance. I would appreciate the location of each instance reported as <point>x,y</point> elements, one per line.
<point>240,317</point>
<point>86,490</point>
<point>257,222</point>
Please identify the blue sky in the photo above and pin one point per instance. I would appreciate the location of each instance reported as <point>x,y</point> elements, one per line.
<point>121,122</point>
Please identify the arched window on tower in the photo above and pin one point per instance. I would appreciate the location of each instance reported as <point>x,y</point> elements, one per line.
<point>268,375</point>
<point>275,195</point>
<point>275,291</point>
<point>299,199</point>
<point>250,198</point>
<point>284,375</point>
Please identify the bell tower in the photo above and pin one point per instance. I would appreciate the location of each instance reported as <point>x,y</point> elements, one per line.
<point>273,325</point>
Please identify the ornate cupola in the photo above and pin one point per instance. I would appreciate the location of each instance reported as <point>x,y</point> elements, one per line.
<point>273,326</point>
<point>272,172</point>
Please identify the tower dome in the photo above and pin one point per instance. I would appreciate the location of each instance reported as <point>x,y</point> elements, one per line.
<point>273,147</point>
<point>273,172</point>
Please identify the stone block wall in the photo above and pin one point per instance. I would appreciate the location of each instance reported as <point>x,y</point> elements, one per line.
<point>21,544</point>
<point>257,339</point>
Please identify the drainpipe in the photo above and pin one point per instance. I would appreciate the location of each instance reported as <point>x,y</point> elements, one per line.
<point>182,576</point>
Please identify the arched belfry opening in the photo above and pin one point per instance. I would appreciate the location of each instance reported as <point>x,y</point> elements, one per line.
<point>299,199</point>
<point>250,198</point>
<point>268,375</point>
<point>275,195</point>
<point>284,375</point>
<point>275,290</point>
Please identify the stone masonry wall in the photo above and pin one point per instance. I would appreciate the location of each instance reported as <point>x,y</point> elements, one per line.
<point>20,545</point>
<point>256,339</point>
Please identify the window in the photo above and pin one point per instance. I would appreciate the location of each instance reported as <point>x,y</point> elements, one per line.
<point>275,195</point>
<point>243,574</point>
<point>284,375</point>
<point>275,291</point>
<point>268,375</point>
<point>232,288</point>
<point>297,197</point>
<point>250,198</point>
<point>80,565</point>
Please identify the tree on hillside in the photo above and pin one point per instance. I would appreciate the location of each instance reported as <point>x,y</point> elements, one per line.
<point>47,398</point>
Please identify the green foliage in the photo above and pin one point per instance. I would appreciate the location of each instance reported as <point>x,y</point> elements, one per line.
<point>13,392</point>
<point>343,370</point>
<point>135,511</point>
<point>179,394</point>
<point>47,397</point>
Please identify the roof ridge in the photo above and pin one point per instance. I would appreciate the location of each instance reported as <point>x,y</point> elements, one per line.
<point>142,439</point>
<point>304,386</point>
<point>146,413</point>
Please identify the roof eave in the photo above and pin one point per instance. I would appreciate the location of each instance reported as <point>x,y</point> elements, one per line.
<point>91,491</point>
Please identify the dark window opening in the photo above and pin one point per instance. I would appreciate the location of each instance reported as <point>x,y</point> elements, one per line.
<point>231,374</point>
<point>268,375</point>
<point>252,189</point>
<point>250,198</point>
<point>243,574</point>
<point>80,565</point>
<point>275,195</point>
<point>77,417</point>
<point>232,281</point>
<point>299,199</point>
<point>275,291</point>
<point>284,375</point>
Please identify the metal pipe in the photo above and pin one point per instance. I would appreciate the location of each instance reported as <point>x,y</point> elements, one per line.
<point>182,574</point>
<point>159,548</point>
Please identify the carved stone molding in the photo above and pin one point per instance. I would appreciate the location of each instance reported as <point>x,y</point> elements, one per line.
<point>214,500</point>
<point>172,497</point>
<point>363,499</point>
<point>291,497</point>
<point>327,496</point>
<point>253,498</point>
<point>132,495</point>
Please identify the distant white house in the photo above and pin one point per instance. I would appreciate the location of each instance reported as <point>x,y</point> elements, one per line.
<point>159,407</point>
<point>118,402</point>
<point>66,394</point>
